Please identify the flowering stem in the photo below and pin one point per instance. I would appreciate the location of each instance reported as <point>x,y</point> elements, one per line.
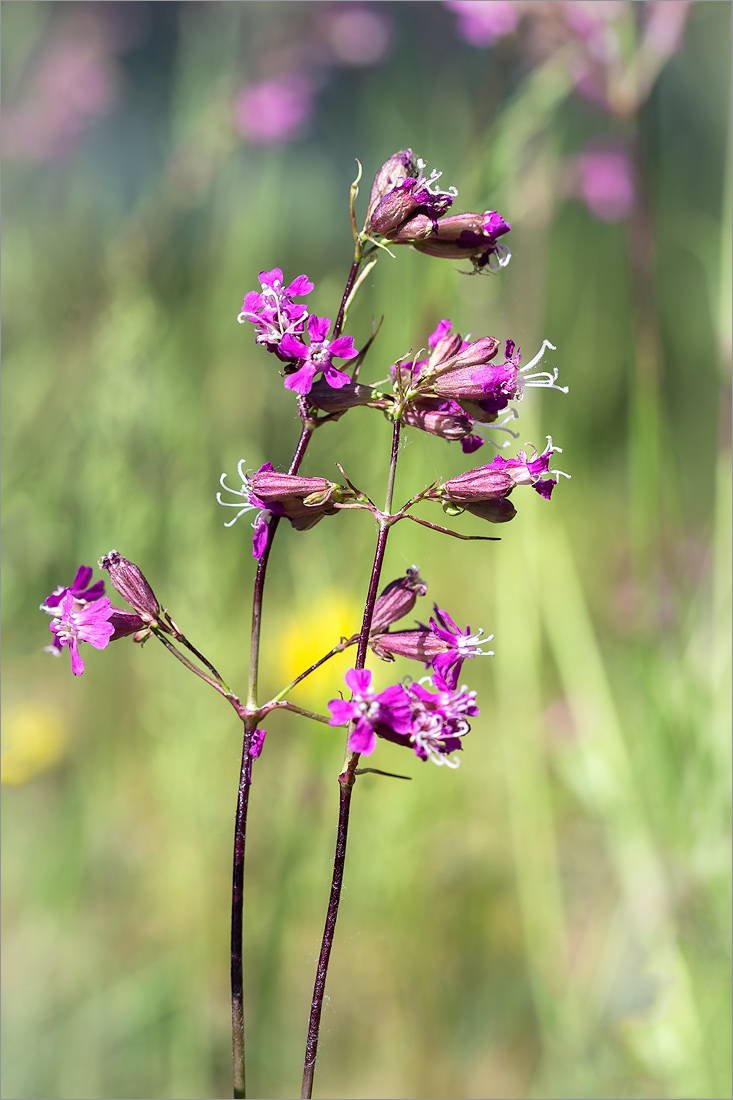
<point>240,827</point>
<point>245,776</point>
<point>347,778</point>
<point>332,913</point>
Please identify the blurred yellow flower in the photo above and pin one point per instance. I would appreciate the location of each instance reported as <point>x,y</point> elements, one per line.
<point>35,739</point>
<point>301,647</point>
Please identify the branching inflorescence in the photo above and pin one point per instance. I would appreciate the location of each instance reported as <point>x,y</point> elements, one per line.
<point>462,390</point>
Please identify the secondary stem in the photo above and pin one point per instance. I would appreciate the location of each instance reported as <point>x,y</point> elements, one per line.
<point>240,828</point>
<point>347,778</point>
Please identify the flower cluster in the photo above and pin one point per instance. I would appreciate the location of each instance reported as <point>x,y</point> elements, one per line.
<point>406,207</point>
<point>459,386</point>
<point>80,612</point>
<point>430,722</point>
<point>281,323</point>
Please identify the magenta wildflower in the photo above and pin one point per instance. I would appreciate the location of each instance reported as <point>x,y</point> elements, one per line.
<point>445,419</point>
<point>301,500</point>
<point>78,588</point>
<point>439,719</point>
<point>431,723</point>
<point>442,644</point>
<point>87,622</point>
<point>383,713</point>
<point>273,311</point>
<point>483,490</point>
<point>488,390</point>
<point>317,357</point>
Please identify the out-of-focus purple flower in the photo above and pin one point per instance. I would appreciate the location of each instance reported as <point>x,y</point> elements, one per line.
<point>273,111</point>
<point>594,22</point>
<point>665,27</point>
<point>317,357</point>
<point>356,34</point>
<point>606,182</point>
<point>273,311</point>
<point>71,80</point>
<point>88,622</point>
<point>442,644</point>
<point>78,588</point>
<point>258,740</point>
<point>301,500</point>
<point>375,713</point>
<point>481,22</point>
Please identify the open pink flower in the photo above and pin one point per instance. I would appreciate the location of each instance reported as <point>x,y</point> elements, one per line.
<point>75,622</point>
<point>317,357</point>
<point>388,711</point>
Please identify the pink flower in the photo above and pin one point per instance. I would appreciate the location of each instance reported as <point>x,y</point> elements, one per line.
<point>78,588</point>
<point>443,644</point>
<point>388,711</point>
<point>317,357</point>
<point>606,182</point>
<point>274,110</point>
<point>89,622</point>
<point>481,22</point>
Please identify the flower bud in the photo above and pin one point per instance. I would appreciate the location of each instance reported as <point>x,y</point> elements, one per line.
<point>129,581</point>
<point>397,599</point>
<point>393,171</point>
<point>270,486</point>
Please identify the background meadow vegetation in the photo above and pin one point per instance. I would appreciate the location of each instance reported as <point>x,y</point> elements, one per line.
<point>553,918</point>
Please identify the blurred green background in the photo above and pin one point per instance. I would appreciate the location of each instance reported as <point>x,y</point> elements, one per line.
<point>553,918</point>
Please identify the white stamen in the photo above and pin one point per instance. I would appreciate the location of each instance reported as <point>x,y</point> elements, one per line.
<point>433,179</point>
<point>512,414</point>
<point>239,513</point>
<point>541,378</point>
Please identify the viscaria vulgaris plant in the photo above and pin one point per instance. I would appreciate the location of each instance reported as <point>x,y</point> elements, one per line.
<point>462,389</point>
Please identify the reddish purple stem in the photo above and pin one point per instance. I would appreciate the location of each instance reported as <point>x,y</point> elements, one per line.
<point>347,779</point>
